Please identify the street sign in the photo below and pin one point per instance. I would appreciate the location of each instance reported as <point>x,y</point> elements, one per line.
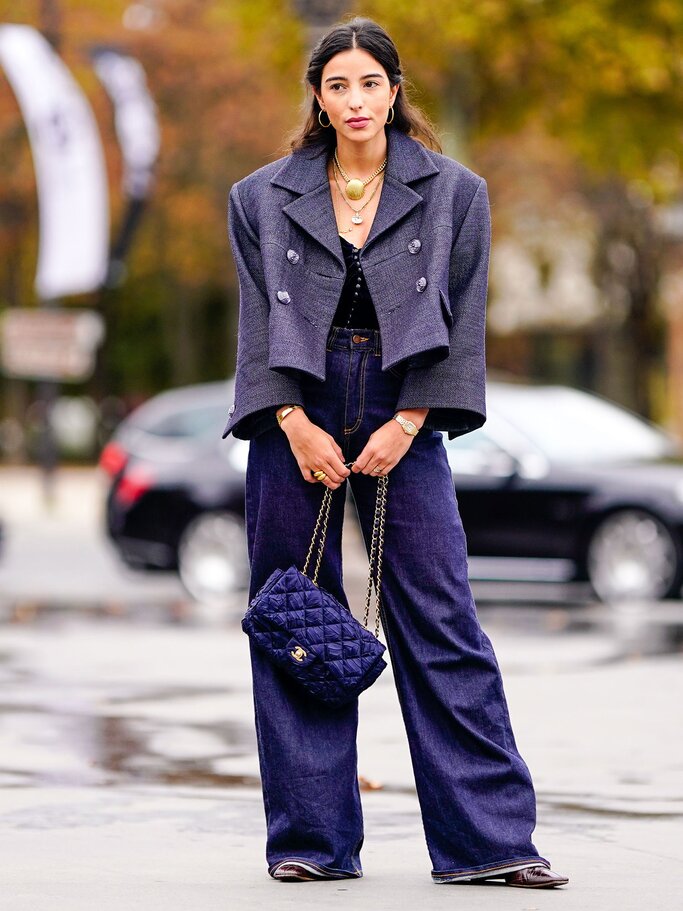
<point>50,344</point>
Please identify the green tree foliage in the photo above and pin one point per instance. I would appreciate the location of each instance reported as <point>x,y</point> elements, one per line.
<point>225,77</point>
<point>604,79</point>
<point>600,79</point>
<point>603,75</point>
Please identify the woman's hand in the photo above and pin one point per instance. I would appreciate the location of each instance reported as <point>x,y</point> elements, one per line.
<point>388,444</point>
<point>314,448</point>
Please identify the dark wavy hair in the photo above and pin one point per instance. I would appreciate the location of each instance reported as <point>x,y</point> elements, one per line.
<point>371,37</point>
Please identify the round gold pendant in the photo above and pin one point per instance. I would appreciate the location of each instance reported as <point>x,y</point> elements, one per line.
<point>355,188</point>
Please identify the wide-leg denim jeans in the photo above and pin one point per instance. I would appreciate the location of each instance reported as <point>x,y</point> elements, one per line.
<point>475,791</point>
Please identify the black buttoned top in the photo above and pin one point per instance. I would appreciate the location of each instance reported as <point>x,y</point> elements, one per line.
<point>355,309</point>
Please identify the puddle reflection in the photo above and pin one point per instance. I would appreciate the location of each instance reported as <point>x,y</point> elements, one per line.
<point>100,696</point>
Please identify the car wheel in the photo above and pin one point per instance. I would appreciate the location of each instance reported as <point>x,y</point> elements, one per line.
<point>633,555</point>
<point>212,557</point>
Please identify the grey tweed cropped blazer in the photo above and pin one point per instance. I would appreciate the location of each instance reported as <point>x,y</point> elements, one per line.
<point>426,263</point>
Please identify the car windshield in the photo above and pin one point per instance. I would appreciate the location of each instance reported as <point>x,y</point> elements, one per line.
<point>573,426</point>
<point>184,423</point>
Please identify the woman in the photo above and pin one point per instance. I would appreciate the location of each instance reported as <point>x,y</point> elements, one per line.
<point>362,259</point>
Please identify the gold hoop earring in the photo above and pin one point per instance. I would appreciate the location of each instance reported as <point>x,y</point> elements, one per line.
<point>391,111</point>
<point>325,125</point>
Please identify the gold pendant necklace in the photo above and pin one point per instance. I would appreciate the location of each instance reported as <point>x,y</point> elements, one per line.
<point>356,218</point>
<point>355,187</point>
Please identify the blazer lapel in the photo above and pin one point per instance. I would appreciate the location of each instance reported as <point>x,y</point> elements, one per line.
<point>314,213</point>
<point>304,172</point>
<point>396,201</point>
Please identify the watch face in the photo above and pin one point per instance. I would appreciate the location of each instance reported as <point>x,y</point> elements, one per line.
<point>407,425</point>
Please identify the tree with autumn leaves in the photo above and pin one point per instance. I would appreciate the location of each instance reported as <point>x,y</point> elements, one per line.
<point>576,106</point>
<point>571,111</point>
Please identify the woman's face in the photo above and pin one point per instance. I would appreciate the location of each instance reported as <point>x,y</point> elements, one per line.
<point>355,85</point>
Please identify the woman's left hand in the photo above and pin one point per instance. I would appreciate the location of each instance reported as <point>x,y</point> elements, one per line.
<point>385,448</point>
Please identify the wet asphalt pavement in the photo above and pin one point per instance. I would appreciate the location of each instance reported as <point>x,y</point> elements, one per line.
<point>128,767</point>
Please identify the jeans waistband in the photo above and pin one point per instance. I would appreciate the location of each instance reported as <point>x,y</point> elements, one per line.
<point>345,338</point>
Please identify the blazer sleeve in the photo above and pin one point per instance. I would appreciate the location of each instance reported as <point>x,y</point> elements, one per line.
<point>258,389</point>
<point>454,389</point>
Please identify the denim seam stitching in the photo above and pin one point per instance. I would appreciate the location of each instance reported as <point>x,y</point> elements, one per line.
<point>363,383</point>
<point>361,405</point>
<point>348,383</point>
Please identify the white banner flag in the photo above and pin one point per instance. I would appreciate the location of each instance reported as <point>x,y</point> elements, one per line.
<point>135,114</point>
<point>69,163</point>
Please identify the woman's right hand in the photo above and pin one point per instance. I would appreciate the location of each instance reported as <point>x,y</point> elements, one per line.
<point>314,448</point>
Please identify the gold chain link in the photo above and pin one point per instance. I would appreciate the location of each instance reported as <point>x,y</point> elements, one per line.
<point>367,179</point>
<point>376,545</point>
<point>322,518</point>
<point>368,200</point>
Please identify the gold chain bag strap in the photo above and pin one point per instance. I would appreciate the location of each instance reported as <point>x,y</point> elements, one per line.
<point>376,544</point>
<point>310,634</point>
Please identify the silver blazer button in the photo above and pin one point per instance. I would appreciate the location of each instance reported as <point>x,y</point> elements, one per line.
<point>414,246</point>
<point>283,297</point>
<point>292,256</point>
<point>421,283</point>
<point>231,409</point>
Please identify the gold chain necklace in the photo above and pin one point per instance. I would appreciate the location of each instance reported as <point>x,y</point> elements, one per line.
<point>356,218</point>
<point>355,187</point>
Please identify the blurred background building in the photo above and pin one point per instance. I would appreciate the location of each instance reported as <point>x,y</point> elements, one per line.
<point>572,117</point>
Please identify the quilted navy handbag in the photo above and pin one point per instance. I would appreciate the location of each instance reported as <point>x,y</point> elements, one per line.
<point>308,633</point>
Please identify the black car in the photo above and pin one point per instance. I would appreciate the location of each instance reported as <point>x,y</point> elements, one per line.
<point>562,484</point>
<point>176,498</point>
<point>558,484</point>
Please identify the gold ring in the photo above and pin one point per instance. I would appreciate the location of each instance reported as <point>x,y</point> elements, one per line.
<point>377,468</point>
<point>319,474</point>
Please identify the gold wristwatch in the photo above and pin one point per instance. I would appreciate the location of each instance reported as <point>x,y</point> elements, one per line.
<point>408,426</point>
<point>284,412</point>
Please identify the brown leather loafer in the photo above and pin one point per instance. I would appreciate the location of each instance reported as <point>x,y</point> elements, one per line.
<point>538,877</point>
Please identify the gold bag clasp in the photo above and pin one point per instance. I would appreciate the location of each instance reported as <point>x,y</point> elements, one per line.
<point>298,653</point>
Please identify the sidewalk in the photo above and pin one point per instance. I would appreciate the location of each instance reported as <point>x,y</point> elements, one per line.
<point>129,773</point>
<point>128,794</point>
<point>58,552</point>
